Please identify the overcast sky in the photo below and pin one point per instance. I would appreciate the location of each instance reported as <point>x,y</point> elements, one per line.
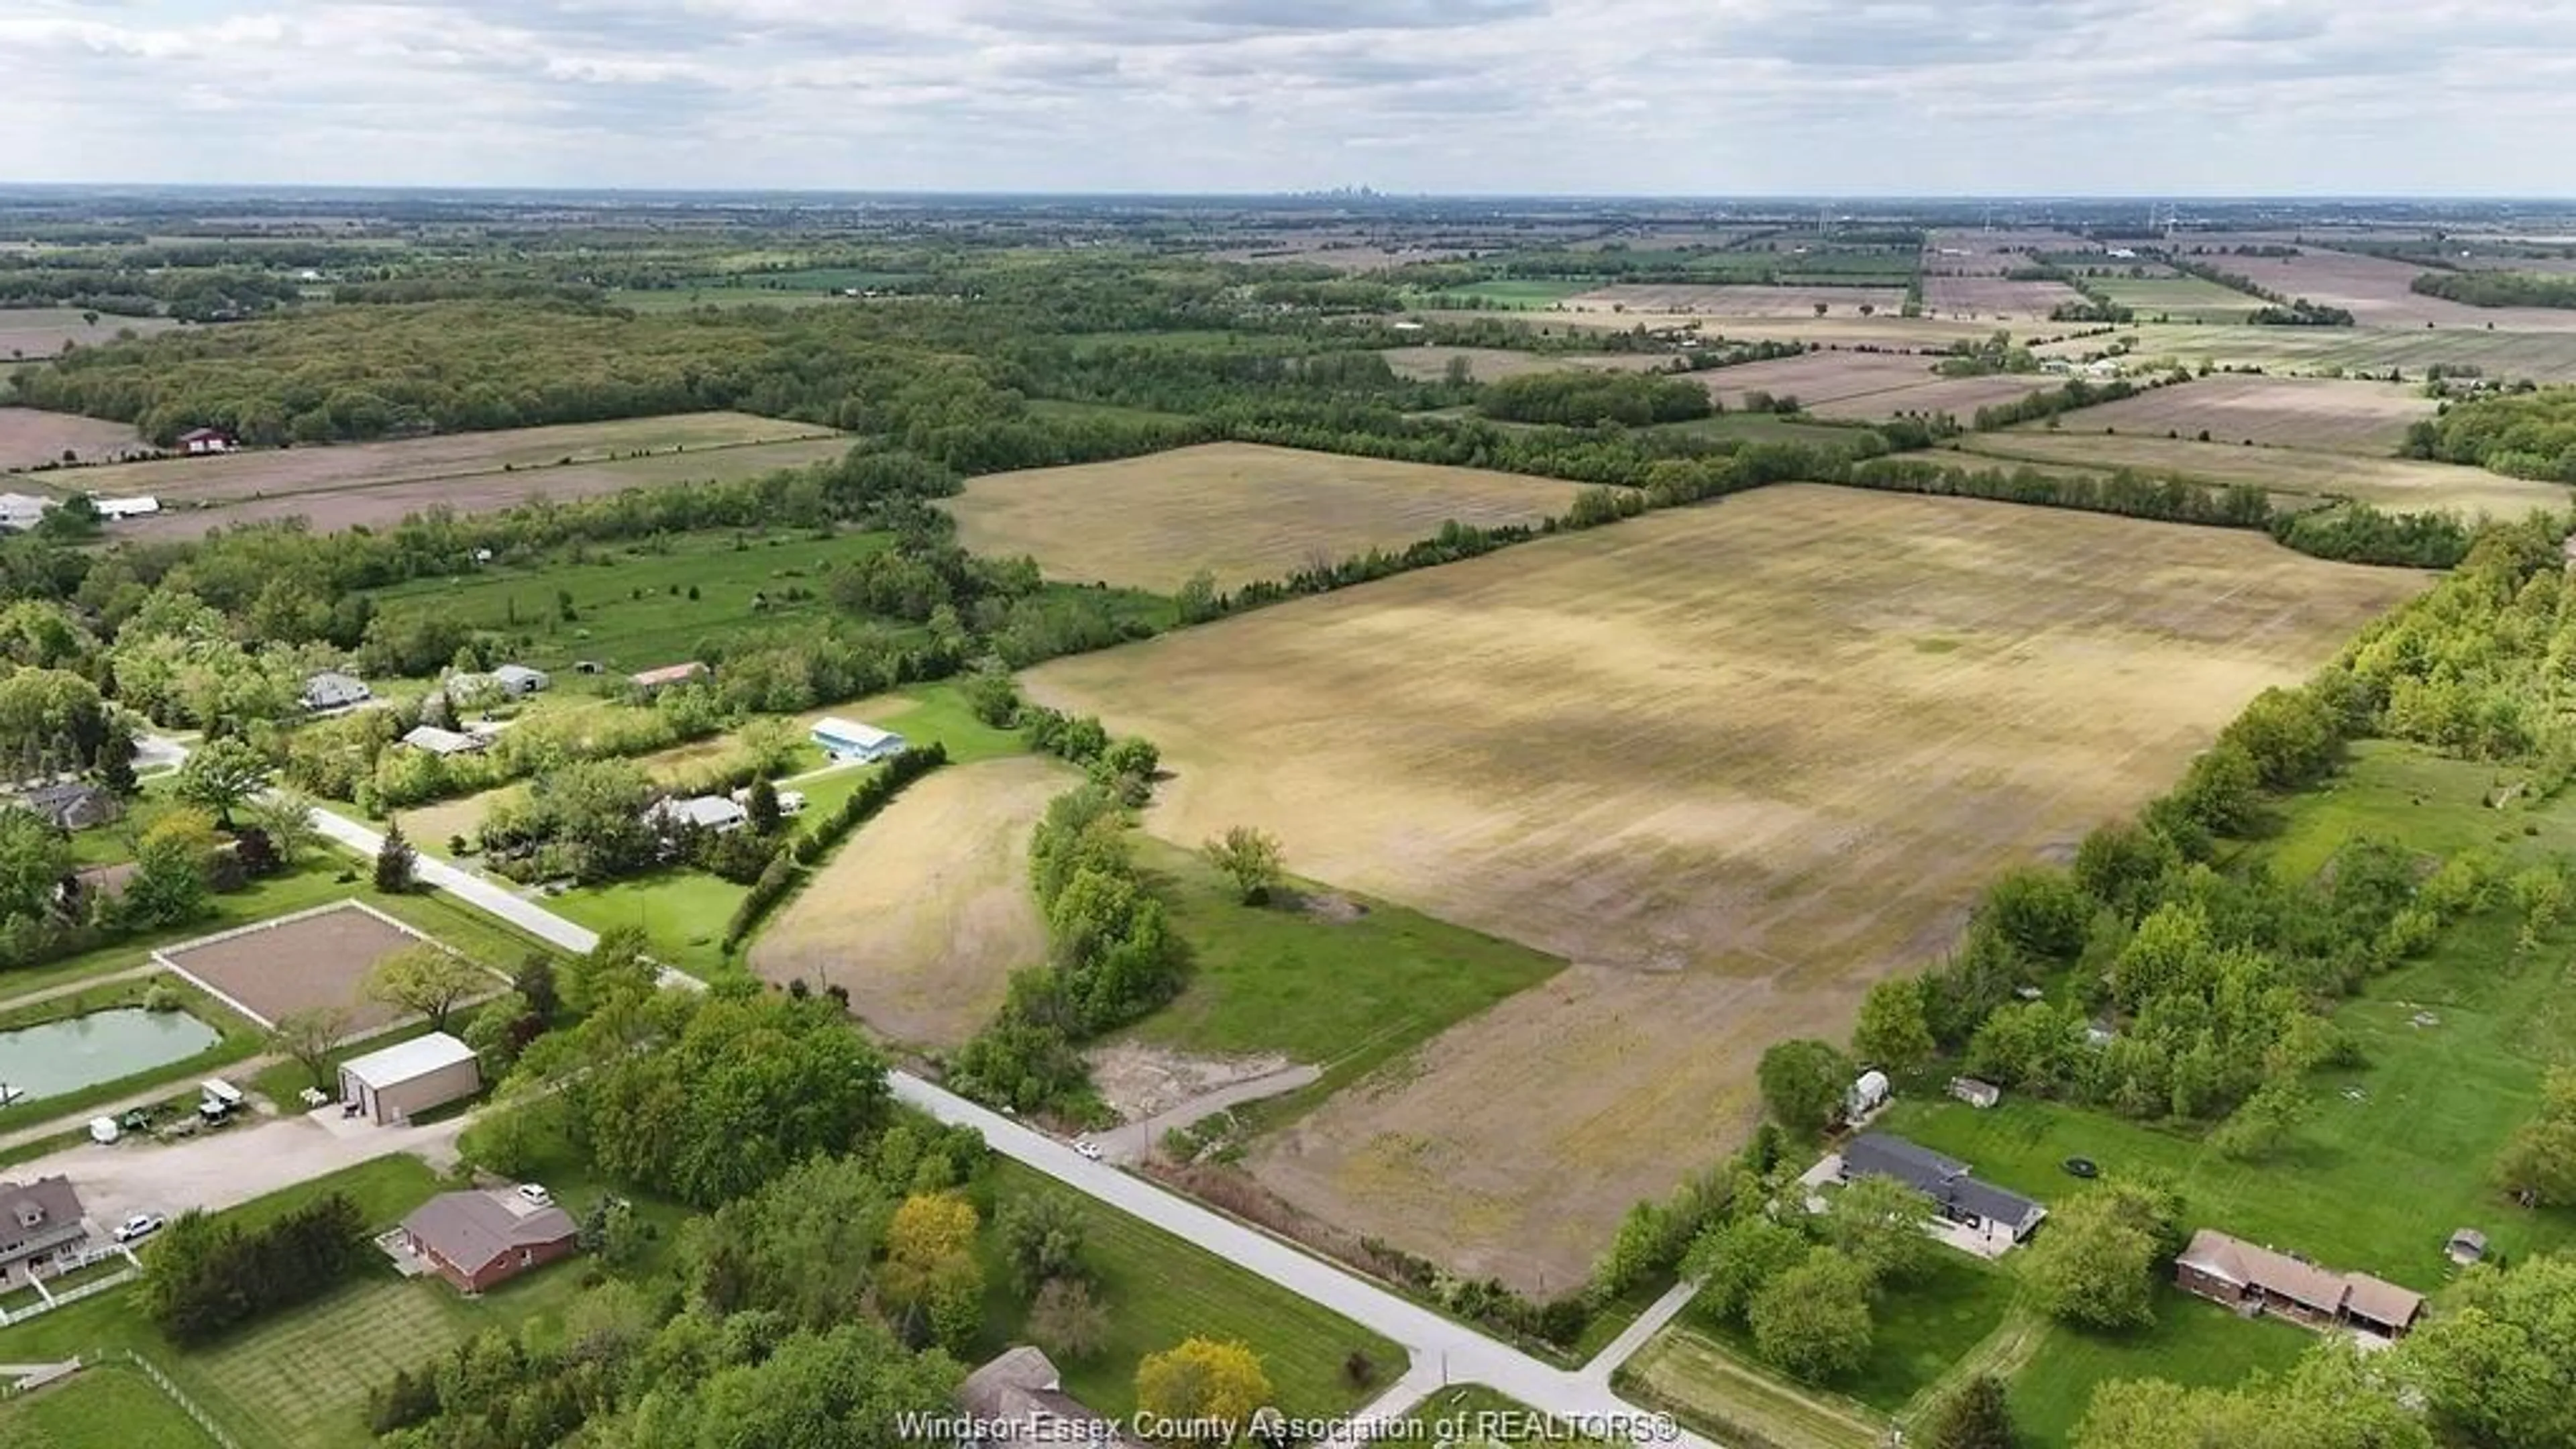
<point>1676,97</point>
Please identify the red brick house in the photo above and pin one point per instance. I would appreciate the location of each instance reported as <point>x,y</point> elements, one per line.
<point>479,1240</point>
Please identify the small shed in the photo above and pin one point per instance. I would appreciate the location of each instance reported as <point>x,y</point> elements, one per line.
<point>703,812</point>
<point>653,681</point>
<point>2468,1246</point>
<point>519,681</point>
<point>1867,1095</point>
<point>445,742</point>
<point>1979,1095</point>
<point>205,440</point>
<point>111,508</point>
<point>408,1078</point>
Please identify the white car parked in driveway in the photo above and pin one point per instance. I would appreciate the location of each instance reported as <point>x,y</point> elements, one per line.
<point>141,1225</point>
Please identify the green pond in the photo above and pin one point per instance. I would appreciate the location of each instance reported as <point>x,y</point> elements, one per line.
<point>55,1057</point>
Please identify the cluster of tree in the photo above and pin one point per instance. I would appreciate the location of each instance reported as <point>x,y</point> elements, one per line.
<point>2105,1252</point>
<point>55,722</point>
<point>2500,289</point>
<point>1113,957</point>
<point>181,863</point>
<point>206,1274</point>
<point>2359,533</point>
<point>130,289</point>
<point>2521,434</point>
<point>360,756</point>
<point>818,839</point>
<point>1996,354</point>
<point>1590,399</point>
<point>1805,1285</point>
<point>2127,493</point>
<point>2538,1164</point>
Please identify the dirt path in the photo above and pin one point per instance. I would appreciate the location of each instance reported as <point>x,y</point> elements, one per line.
<point>1134,1140</point>
<point>1683,1368</point>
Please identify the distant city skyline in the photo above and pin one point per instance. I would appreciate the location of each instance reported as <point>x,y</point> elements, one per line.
<point>1621,98</point>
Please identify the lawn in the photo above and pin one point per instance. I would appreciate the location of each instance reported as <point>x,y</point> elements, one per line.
<point>1922,1330</point>
<point>1160,1290</point>
<point>300,1380</point>
<point>2191,1342</point>
<point>645,605</point>
<point>314,884</point>
<point>1508,294</point>
<point>682,913</point>
<point>1342,981</point>
<point>100,1408</point>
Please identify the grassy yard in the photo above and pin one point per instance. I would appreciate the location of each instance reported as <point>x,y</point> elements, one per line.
<point>633,606</point>
<point>1160,1290</point>
<point>1346,982</point>
<point>300,1380</point>
<point>2401,1145</point>
<point>2191,1342</point>
<point>100,1408</point>
<point>312,884</point>
<point>1922,1329</point>
<point>682,912</point>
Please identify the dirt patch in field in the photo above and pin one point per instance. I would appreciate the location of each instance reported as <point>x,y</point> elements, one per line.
<point>316,962</point>
<point>1240,511</point>
<point>926,911</point>
<point>1704,756</point>
<point>2380,293</point>
<point>1996,297</point>
<point>1140,1081</point>
<point>30,438</point>
<point>32,334</point>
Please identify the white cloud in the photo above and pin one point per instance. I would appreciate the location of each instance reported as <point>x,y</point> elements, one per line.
<point>1612,96</point>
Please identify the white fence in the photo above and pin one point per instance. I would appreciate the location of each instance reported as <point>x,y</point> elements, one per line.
<point>204,1420</point>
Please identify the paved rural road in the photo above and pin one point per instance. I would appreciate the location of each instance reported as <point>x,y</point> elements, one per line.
<point>1443,1351</point>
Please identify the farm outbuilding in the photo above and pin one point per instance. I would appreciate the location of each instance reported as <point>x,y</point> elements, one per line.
<point>519,681</point>
<point>445,742</point>
<point>2468,1246</point>
<point>197,442</point>
<point>1867,1095</point>
<point>845,739</point>
<point>331,689</point>
<point>1979,1095</point>
<point>652,681</point>
<point>702,812</point>
<point>113,508</point>
<point>404,1080</point>
<point>20,512</point>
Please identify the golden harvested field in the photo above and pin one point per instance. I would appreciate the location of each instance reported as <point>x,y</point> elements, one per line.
<point>2394,483</point>
<point>1735,762</point>
<point>2380,293</point>
<point>925,913</point>
<point>1865,385</point>
<point>1722,300</point>
<point>29,437</point>
<point>1994,297</point>
<point>1493,364</point>
<point>1241,511</point>
<point>2325,414</point>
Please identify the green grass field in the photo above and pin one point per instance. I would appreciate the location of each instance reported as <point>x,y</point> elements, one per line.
<point>632,605</point>
<point>100,1408</point>
<point>1921,1331</point>
<point>1341,990</point>
<point>2191,1342</point>
<point>1508,293</point>
<point>682,912</point>
<point>2179,299</point>
<point>1160,1290</point>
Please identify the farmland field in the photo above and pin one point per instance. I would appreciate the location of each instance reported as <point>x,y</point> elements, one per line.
<point>2178,297</point>
<point>1508,293</point>
<point>29,437</point>
<point>1736,301</point>
<point>2380,293</point>
<point>2280,412</point>
<point>1994,296</point>
<point>2393,483</point>
<point>34,333</point>
<point>1240,511</point>
<point>2539,356</point>
<point>927,910</point>
<point>1633,748</point>
<point>1865,385</point>
<point>1492,364</point>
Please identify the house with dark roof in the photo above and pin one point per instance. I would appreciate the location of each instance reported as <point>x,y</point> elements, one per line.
<point>1019,1399</point>
<point>71,805</point>
<point>478,1240</point>
<point>2001,1218</point>
<point>36,1220</point>
<point>2239,1275</point>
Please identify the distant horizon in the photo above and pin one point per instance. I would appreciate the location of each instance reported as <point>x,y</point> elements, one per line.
<point>1468,98</point>
<point>1354,192</point>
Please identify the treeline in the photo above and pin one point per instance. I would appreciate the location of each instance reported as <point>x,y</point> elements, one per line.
<point>190,294</point>
<point>2519,434</point>
<point>2500,289</point>
<point>2077,394</point>
<point>2285,311</point>
<point>818,839</point>
<point>204,1275</point>
<point>1587,399</point>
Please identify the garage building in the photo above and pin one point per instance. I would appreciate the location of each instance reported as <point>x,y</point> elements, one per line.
<point>404,1080</point>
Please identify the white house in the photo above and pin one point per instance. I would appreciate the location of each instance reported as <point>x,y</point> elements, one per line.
<point>519,681</point>
<point>112,508</point>
<point>331,689</point>
<point>706,812</point>
<point>22,511</point>
<point>845,739</point>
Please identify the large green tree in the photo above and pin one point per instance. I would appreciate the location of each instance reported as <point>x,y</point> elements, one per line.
<point>1974,1416</point>
<point>1803,1083</point>
<point>221,775</point>
<point>2095,1264</point>
<point>1814,1320</point>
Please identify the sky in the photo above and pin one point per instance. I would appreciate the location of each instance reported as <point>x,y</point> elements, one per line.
<point>1560,97</point>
